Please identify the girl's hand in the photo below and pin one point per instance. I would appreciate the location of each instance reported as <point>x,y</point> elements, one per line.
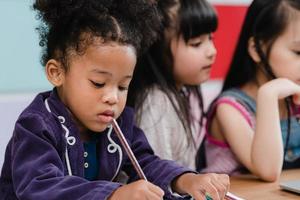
<point>139,190</point>
<point>281,88</point>
<point>197,185</point>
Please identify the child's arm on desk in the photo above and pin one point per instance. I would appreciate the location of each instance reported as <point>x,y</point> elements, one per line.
<point>196,185</point>
<point>200,185</point>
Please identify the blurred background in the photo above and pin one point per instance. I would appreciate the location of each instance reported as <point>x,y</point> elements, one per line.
<point>22,76</point>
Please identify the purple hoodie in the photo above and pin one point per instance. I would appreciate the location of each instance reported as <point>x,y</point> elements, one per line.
<point>44,158</point>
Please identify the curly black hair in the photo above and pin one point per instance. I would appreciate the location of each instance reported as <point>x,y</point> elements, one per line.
<point>75,24</point>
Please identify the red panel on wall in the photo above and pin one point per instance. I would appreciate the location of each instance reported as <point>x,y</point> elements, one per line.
<point>230,21</point>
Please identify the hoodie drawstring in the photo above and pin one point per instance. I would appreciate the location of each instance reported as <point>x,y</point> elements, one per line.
<point>70,139</point>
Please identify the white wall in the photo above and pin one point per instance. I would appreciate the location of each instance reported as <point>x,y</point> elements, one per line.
<point>20,69</point>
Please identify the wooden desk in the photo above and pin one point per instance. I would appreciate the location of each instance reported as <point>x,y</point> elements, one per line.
<point>249,187</point>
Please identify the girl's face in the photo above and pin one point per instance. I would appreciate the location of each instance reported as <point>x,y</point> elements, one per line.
<point>192,60</point>
<point>285,53</point>
<point>95,86</point>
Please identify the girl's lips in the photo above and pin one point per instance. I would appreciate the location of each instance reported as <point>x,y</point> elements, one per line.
<point>206,67</point>
<point>108,113</point>
<point>105,118</point>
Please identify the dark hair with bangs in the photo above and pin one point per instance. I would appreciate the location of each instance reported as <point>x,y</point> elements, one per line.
<point>186,18</point>
<point>265,21</point>
<point>196,18</point>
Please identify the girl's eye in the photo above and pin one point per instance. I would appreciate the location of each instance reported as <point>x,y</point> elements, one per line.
<point>297,53</point>
<point>98,85</point>
<point>201,40</point>
<point>196,44</point>
<point>121,88</point>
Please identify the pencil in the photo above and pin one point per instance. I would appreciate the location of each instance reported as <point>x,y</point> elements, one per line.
<point>128,150</point>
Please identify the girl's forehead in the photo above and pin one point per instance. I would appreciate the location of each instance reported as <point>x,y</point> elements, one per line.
<point>293,29</point>
<point>110,51</point>
<point>98,42</point>
<point>109,46</point>
<point>104,48</point>
<point>88,41</point>
<point>105,55</point>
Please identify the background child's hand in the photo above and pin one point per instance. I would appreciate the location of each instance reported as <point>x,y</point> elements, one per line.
<point>197,185</point>
<point>139,190</point>
<point>281,88</point>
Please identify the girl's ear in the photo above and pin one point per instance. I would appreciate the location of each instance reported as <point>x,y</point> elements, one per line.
<point>252,51</point>
<point>55,72</point>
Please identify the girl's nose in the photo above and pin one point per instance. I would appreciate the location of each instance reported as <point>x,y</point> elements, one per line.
<point>211,51</point>
<point>111,97</point>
